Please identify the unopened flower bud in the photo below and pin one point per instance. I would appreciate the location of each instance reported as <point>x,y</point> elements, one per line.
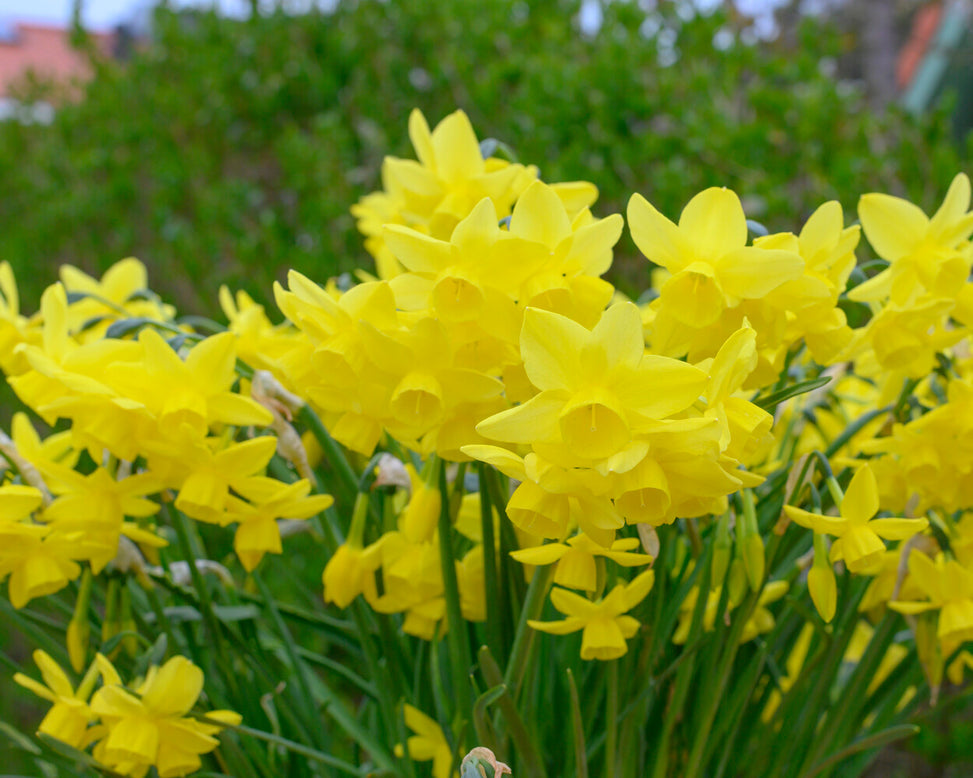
<point>422,513</point>
<point>736,581</point>
<point>752,549</point>
<point>824,590</point>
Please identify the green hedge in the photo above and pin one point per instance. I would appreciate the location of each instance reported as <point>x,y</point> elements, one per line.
<point>229,150</point>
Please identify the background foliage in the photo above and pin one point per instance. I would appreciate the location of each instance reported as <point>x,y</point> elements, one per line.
<point>226,151</point>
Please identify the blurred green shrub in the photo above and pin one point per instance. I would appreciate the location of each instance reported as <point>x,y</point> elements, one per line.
<point>230,150</point>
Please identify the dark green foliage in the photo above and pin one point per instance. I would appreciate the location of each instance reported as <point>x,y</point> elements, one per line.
<point>227,151</point>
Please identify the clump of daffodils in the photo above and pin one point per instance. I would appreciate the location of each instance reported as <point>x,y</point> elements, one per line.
<point>747,502</point>
<point>131,728</point>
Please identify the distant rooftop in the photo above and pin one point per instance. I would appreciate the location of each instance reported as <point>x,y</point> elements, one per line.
<point>43,49</point>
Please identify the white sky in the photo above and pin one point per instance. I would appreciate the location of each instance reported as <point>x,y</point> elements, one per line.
<point>98,14</point>
<point>103,14</point>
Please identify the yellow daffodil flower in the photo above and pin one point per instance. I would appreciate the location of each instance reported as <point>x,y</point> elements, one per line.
<point>69,718</point>
<point>427,744</point>
<point>712,267</point>
<point>597,387</point>
<point>859,536</point>
<point>927,255</point>
<point>948,585</point>
<point>269,500</point>
<point>150,727</point>
<point>575,559</point>
<point>605,626</point>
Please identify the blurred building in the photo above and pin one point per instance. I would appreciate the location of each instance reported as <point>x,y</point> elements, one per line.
<point>937,60</point>
<point>46,52</point>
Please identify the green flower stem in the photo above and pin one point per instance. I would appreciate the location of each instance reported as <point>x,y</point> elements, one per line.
<point>806,700</point>
<point>908,387</point>
<point>289,745</point>
<point>734,719</point>
<point>336,456</point>
<point>580,755</point>
<point>300,668</point>
<point>513,588</point>
<point>837,495</point>
<point>524,637</point>
<point>491,586</point>
<point>862,744</point>
<point>854,696</point>
<point>213,628</point>
<point>460,656</point>
<point>527,751</point>
<point>685,674</point>
<point>611,718</point>
<point>716,692</point>
<point>853,429</point>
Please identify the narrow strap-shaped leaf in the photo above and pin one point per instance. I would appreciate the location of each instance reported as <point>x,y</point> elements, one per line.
<point>770,401</point>
<point>580,754</point>
<point>877,740</point>
<point>485,734</point>
<point>533,764</point>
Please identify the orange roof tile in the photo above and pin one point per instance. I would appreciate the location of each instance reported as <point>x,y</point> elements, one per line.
<point>45,50</point>
<point>924,26</point>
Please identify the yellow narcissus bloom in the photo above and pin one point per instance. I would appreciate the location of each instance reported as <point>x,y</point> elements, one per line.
<point>329,366</point>
<point>930,458</point>
<point>36,560</point>
<point>605,626</point>
<point>761,619</point>
<point>260,343</point>
<point>808,304</point>
<point>744,427</point>
<point>350,572</point>
<point>269,500</point>
<point>56,448</point>
<point>927,256</point>
<point>426,387</point>
<point>572,253</point>
<point>121,293</point>
<point>477,272</point>
<point>427,744</point>
<point>575,559</point>
<point>96,505</point>
<point>436,192</point>
<point>195,391</point>
<point>860,536</point>
<point>597,387</point>
<point>150,727</point>
<point>14,328</point>
<point>901,341</point>
<point>550,501</point>
<point>711,266</point>
<point>56,368</point>
<point>413,578</point>
<point>204,470</point>
<point>948,585</point>
<point>69,718</point>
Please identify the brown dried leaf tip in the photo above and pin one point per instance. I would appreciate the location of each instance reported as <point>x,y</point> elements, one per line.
<point>479,763</point>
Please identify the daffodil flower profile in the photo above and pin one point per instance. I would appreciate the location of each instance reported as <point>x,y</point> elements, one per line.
<point>358,532</point>
<point>605,625</point>
<point>859,536</point>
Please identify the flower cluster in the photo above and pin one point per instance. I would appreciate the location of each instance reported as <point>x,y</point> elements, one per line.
<point>131,727</point>
<point>506,437</point>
